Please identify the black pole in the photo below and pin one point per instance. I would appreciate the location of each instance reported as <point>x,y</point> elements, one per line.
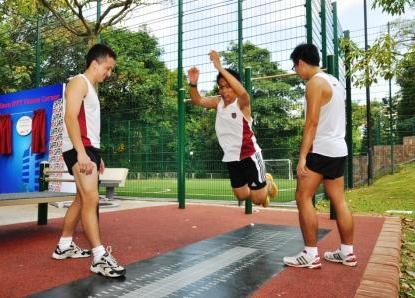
<point>368,113</point>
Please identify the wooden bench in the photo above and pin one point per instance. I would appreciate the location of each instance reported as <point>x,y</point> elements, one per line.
<point>42,198</point>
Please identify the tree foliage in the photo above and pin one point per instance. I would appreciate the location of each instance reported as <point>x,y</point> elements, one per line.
<point>393,7</point>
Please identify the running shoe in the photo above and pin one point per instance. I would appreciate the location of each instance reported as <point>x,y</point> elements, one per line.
<point>338,257</point>
<point>271,186</point>
<point>74,252</point>
<point>108,266</point>
<point>303,260</point>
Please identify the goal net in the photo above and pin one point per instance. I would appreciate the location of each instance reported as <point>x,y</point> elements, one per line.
<point>279,168</point>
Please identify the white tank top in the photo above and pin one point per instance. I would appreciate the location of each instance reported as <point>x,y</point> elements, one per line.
<point>331,129</point>
<point>89,119</point>
<point>234,132</point>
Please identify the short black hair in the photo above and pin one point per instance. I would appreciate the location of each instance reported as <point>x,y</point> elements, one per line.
<point>306,52</point>
<point>232,72</point>
<point>97,52</point>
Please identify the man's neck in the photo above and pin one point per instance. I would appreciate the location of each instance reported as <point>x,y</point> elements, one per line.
<point>90,76</point>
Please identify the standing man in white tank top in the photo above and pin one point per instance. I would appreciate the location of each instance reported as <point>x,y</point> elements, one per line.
<point>81,153</point>
<point>322,158</point>
<point>233,126</point>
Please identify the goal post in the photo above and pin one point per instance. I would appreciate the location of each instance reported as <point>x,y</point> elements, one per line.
<point>280,168</point>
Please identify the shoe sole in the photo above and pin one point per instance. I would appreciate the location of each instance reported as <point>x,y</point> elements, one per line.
<point>315,266</point>
<point>63,257</point>
<point>97,271</point>
<point>350,264</point>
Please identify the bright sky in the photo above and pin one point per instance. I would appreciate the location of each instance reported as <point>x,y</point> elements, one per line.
<point>350,13</point>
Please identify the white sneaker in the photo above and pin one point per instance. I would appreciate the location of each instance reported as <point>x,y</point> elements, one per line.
<point>74,252</point>
<point>338,257</point>
<point>108,266</point>
<point>303,260</point>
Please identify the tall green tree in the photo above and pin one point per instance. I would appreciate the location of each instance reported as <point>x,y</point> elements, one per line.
<point>394,7</point>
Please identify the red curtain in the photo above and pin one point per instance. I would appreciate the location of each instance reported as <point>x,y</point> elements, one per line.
<point>5,134</point>
<point>39,131</point>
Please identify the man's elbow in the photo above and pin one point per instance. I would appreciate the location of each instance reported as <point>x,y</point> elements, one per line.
<point>69,119</point>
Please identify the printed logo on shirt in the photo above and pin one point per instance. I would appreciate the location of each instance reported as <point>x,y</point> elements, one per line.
<point>253,184</point>
<point>234,115</point>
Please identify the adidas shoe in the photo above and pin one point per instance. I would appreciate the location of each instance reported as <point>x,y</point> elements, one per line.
<point>271,186</point>
<point>303,260</point>
<point>108,266</point>
<point>74,252</point>
<point>338,257</point>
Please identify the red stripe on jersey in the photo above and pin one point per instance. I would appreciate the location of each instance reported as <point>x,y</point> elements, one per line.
<point>248,147</point>
<point>82,125</point>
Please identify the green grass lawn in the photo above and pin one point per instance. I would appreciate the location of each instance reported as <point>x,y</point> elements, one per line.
<point>391,192</point>
<point>207,189</point>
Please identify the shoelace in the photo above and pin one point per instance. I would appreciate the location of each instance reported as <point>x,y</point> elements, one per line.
<point>109,259</point>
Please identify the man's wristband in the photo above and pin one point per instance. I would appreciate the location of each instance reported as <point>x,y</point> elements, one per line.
<point>193,85</point>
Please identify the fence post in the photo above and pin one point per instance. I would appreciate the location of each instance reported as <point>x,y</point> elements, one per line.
<point>335,41</point>
<point>349,119</point>
<point>181,121</point>
<point>323,33</point>
<point>248,86</point>
<point>392,140</point>
<point>309,21</point>
<point>240,40</point>
<point>330,70</point>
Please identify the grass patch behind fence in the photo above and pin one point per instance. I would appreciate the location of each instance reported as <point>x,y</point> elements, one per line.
<point>201,189</point>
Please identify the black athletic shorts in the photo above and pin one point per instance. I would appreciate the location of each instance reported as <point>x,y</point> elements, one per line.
<point>329,167</point>
<point>71,157</point>
<point>249,171</point>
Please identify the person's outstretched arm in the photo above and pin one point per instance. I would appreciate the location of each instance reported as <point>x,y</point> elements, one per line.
<point>210,103</point>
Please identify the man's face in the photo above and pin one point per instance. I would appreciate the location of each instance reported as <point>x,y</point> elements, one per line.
<point>299,69</point>
<point>225,90</point>
<point>104,68</point>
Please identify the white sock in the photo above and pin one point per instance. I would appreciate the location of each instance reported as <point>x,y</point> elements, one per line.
<point>98,252</point>
<point>311,251</point>
<point>346,249</point>
<point>65,242</point>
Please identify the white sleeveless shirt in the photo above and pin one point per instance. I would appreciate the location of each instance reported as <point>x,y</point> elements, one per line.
<point>234,132</point>
<point>89,119</point>
<point>331,129</point>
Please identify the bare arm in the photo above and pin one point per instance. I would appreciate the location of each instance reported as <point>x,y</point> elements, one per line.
<point>209,103</point>
<point>74,95</point>
<point>243,96</point>
<point>316,93</point>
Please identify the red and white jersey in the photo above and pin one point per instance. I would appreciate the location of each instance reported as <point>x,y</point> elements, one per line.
<point>234,132</point>
<point>89,119</point>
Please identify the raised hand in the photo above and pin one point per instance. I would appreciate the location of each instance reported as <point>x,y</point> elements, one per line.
<point>214,57</point>
<point>193,75</point>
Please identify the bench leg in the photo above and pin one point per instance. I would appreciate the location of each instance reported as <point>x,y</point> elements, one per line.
<point>42,214</point>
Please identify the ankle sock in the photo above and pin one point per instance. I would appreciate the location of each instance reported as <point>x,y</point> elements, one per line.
<point>65,242</point>
<point>346,249</point>
<point>98,252</point>
<point>311,251</point>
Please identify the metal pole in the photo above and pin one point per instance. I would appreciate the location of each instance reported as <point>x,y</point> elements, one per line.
<point>335,40</point>
<point>330,70</point>
<point>98,17</point>
<point>248,86</point>
<point>349,118</point>
<point>240,39</point>
<point>368,113</point>
<point>309,21</point>
<point>323,33</point>
<point>181,121</point>
<point>37,71</point>
<point>392,140</point>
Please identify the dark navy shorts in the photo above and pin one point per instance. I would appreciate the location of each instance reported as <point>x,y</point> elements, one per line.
<point>71,157</point>
<point>249,171</point>
<point>330,167</point>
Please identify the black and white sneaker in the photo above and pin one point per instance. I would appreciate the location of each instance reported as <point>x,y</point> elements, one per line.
<point>74,252</point>
<point>108,266</point>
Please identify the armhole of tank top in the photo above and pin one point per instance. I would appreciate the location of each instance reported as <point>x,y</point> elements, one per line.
<point>326,77</point>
